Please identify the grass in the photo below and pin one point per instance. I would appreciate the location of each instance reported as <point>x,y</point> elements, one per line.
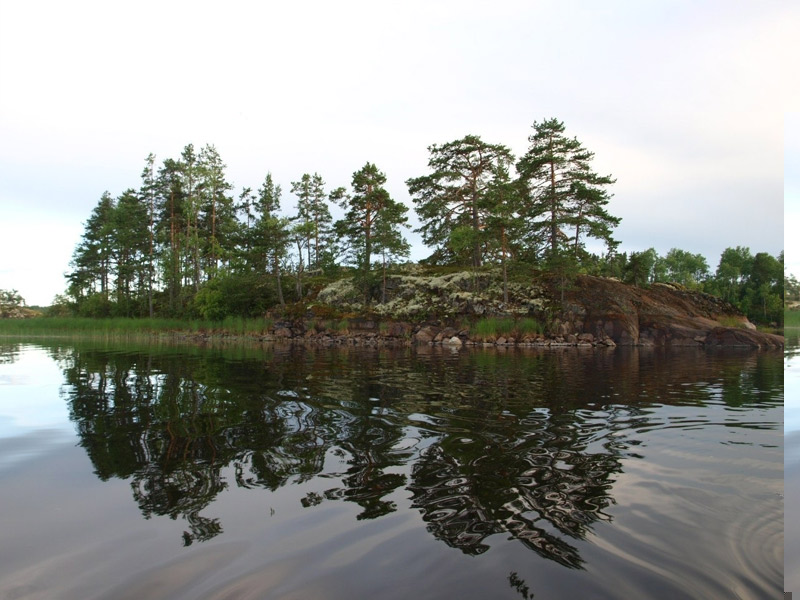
<point>728,321</point>
<point>495,327</point>
<point>124,326</point>
<point>791,318</point>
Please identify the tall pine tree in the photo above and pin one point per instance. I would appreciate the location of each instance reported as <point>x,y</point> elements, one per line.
<point>452,199</point>
<point>564,199</point>
<point>372,223</point>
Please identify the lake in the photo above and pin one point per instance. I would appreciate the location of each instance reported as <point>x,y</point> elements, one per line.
<point>242,471</point>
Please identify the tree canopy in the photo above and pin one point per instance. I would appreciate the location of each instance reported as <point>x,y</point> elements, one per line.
<point>564,200</point>
<point>185,244</point>
<point>453,201</point>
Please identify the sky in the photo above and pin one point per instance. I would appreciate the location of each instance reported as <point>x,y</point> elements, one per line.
<point>687,104</point>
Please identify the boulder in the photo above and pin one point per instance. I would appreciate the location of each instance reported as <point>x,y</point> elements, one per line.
<point>426,334</point>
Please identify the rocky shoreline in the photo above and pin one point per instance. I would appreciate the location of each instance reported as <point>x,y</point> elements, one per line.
<point>405,334</point>
<point>594,312</point>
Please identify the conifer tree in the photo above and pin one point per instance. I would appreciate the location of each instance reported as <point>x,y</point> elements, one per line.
<point>372,222</point>
<point>271,231</point>
<point>148,192</point>
<point>564,198</point>
<point>314,216</point>
<point>452,199</point>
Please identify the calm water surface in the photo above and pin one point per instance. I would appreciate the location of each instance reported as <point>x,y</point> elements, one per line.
<point>177,472</point>
<point>792,461</point>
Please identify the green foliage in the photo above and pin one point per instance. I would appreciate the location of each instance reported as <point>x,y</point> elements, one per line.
<point>491,328</point>
<point>238,294</point>
<point>792,318</point>
<point>10,299</point>
<point>791,288</point>
<point>639,267</point>
<point>314,216</point>
<point>456,195</point>
<point>371,225</point>
<point>95,305</point>
<point>177,247</point>
<point>680,266</point>
<point>564,199</point>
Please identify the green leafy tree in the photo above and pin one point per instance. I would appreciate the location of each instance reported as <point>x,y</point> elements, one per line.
<point>565,199</point>
<point>763,297</point>
<point>456,194</point>
<point>10,301</point>
<point>791,288</point>
<point>733,271</point>
<point>685,268</point>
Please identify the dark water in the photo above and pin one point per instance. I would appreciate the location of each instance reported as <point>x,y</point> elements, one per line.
<point>163,472</point>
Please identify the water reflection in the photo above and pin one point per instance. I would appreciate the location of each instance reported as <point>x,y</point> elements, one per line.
<point>523,444</point>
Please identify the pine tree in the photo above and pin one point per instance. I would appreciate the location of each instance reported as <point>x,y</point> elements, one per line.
<point>503,223</point>
<point>314,215</point>
<point>93,257</point>
<point>452,198</point>
<point>148,192</point>
<point>271,232</point>
<point>218,225</point>
<point>171,225</point>
<point>564,198</point>
<point>372,222</point>
<point>130,249</point>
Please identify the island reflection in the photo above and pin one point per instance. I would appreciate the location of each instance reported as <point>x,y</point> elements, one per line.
<point>524,444</point>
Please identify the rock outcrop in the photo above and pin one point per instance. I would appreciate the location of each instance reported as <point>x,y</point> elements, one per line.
<point>590,311</point>
<point>660,315</point>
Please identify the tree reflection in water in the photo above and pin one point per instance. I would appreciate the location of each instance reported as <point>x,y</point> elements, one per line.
<point>525,444</point>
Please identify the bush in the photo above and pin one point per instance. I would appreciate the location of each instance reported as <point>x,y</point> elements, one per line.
<point>234,294</point>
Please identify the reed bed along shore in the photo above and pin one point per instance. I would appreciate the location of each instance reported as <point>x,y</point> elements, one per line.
<point>791,318</point>
<point>125,326</point>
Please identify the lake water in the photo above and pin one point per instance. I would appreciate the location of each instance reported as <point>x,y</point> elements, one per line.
<point>287,472</point>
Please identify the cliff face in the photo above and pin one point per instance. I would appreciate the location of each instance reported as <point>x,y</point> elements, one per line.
<point>661,315</point>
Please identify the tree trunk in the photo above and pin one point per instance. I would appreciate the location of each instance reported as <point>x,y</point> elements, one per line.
<point>503,261</point>
<point>383,290</point>
<point>299,281</point>
<point>553,210</point>
<point>277,269</point>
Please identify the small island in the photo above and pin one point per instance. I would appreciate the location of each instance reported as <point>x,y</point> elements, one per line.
<point>522,252</point>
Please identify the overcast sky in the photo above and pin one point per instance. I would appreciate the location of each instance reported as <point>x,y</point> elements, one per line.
<point>685,103</point>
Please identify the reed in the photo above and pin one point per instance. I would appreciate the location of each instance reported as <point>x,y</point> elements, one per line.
<point>495,327</point>
<point>124,326</point>
<point>791,318</point>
